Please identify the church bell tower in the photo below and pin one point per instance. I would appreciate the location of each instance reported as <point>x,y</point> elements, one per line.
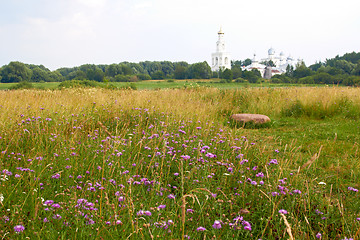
<point>220,59</point>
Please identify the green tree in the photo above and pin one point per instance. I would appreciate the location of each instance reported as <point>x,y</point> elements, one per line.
<point>158,75</point>
<point>302,71</point>
<point>237,72</point>
<point>180,72</point>
<point>142,76</point>
<point>283,78</point>
<point>251,76</point>
<point>199,70</point>
<point>323,78</point>
<point>247,62</point>
<point>289,71</point>
<point>167,68</point>
<point>256,72</point>
<point>344,65</point>
<point>98,75</point>
<point>112,70</point>
<point>126,70</point>
<point>236,64</point>
<point>150,67</point>
<point>333,70</point>
<point>56,76</point>
<point>39,75</point>
<point>227,75</point>
<point>314,67</point>
<point>356,70</point>
<point>81,75</point>
<point>15,72</point>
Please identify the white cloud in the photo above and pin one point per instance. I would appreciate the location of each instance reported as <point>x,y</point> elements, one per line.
<point>93,3</point>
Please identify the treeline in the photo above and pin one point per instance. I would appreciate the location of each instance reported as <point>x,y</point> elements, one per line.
<point>343,70</point>
<point>122,72</point>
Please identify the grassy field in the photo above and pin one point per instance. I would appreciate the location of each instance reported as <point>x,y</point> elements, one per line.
<point>162,84</point>
<point>170,164</point>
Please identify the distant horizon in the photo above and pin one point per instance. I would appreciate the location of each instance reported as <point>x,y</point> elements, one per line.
<point>208,61</point>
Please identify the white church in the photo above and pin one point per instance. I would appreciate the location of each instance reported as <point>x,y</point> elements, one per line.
<point>281,62</point>
<point>221,59</point>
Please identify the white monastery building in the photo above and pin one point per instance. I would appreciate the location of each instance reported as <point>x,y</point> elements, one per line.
<point>281,62</point>
<point>220,59</point>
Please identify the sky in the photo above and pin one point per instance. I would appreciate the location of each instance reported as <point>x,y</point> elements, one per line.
<point>68,33</point>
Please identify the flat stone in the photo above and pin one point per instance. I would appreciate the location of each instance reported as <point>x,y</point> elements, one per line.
<point>247,117</point>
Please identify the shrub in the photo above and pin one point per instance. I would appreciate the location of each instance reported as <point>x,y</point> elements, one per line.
<point>22,85</point>
<point>276,80</point>
<point>85,84</point>
<point>143,76</point>
<point>240,80</point>
<point>122,78</point>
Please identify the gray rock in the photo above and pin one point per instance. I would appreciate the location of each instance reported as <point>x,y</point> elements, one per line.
<point>247,117</point>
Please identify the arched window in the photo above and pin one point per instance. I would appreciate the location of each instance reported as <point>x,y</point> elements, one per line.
<point>226,61</point>
<point>216,61</point>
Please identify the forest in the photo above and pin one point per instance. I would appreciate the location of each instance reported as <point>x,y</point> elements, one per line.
<point>343,70</point>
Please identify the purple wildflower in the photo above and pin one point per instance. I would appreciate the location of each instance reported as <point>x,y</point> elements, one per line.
<point>283,211</point>
<point>200,229</point>
<point>353,189</point>
<point>19,228</point>
<point>297,191</point>
<point>56,205</point>
<point>247,225</point>
<point>273,161</point>
<point>162,206</point>
<point>55,176</point>
<point>217,224</point>
<point>48,202</point>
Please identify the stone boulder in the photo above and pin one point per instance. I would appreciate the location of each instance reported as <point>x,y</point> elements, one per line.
<point>247,117</point>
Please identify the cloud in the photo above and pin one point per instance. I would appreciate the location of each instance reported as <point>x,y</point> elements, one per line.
<point>93,3</point>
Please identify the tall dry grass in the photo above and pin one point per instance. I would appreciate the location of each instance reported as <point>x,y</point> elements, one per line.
<point>198,103</point>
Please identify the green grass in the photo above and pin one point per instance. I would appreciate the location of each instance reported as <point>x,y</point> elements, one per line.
<point>109,158</point>
<point>161,84</point>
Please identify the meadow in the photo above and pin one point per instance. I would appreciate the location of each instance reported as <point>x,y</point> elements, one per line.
<point>170,164</point>
<point>171,84</point>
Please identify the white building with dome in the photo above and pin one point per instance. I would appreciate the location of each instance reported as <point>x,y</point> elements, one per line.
<point>281,62</point>
<point>220,59</point>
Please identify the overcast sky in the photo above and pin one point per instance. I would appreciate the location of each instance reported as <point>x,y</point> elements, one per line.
<point>67,33</point>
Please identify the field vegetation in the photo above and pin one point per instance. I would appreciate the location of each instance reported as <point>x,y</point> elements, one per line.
<point>97,163</point>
